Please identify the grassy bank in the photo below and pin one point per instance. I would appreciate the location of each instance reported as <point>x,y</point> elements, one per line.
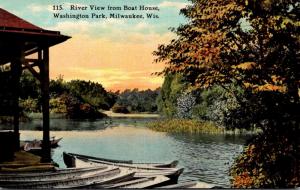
<point>192,126</point>
<point>131,115</point>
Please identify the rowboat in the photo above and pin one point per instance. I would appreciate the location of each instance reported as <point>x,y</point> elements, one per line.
<point>191,184</point>
<point>107,176</point>
<point>140,171</point>
<point>150,182</point>
<point>36,144</point>
<point>69,161</point>
<point>58,174</point>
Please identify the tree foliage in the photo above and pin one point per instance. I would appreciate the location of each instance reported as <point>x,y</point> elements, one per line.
<point>74,98</point>
<point>217,104</point>
<point>29,86</point>
<point>215,48</point>
<point>172,87</point>
<point>92,93</point>
<point>254,45</point>
<point>138,100</point>
<point>185,104</point>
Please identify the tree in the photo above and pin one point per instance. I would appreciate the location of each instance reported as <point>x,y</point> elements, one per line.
<point>217,104</point>
<point>185,104</point>
<point>172,87</point>
<point>138,101</point>
<point>29,86</point>
<point>30,93</point>
<point>255,45</point>
<point>58,87</point>
<point>92,93</point>
<point>196,53</point>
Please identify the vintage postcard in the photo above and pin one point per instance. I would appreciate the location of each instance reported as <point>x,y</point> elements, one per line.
<point>149,93</point>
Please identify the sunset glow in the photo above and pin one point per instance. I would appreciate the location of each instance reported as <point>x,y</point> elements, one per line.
<point>114,52</point>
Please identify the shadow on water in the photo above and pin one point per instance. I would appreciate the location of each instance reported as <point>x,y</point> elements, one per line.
<point>207,157</point>
<point>211,138</point>
<point>78,125</point>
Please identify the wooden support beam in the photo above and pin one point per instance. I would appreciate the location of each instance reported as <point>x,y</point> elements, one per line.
<point>44,71</point>
<point>32,51</point>
<point>31,69</point>
<point>32,65</point>
<point>31,60</point>
<point>16,70</point>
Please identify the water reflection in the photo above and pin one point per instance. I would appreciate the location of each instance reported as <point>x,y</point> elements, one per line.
<point>205,157</point>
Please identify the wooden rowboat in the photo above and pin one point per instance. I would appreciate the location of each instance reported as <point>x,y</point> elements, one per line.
<point>140,172</point>
<point>192,184</point>
<point>35,146</point>
<point>60,174</point>
<point>27,145</point>
<point>69,161</point>
<point>108,176</point>
<point>150,182</point>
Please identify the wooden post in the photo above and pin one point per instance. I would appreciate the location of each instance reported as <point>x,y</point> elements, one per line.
<point>44,72</point>
<point>16,70</point>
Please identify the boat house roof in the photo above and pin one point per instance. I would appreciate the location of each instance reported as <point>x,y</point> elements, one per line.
<point>9,20</point>
<point>15,30</point>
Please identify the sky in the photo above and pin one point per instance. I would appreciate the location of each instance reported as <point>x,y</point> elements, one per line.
<point>114,52</point>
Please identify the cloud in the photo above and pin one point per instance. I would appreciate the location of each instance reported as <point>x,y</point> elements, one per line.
<point>178,5</point>
<point>115,64</point>
<point>38,8</point>
<point>87,27</point>
<point>68,4</point>
<point>116,53</point>
<point>143,26</point>
<point>112,30</point>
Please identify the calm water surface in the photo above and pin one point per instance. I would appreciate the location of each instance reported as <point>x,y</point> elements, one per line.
<point>205,158</point>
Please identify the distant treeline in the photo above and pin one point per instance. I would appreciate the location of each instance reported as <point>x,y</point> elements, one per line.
<point>136,101</point>
<point>84,99</point>
<point>76,98</point>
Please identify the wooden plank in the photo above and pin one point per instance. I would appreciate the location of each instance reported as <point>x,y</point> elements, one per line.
<point>36,64</point>
<point>31,69</point>
<point>44,71</point>
<point>31,60</point>
<point>32,51</point>
<point>16,71</point>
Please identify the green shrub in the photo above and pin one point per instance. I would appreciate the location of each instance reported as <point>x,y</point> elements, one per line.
<point>184,126</point>
<point>76,109</point>
<point>269,161</point>
<point>119,109</point>
<point>29,105</point>
<point>57,105</point>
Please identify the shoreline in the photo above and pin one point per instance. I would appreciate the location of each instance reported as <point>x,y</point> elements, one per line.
<point>131,115</point>
<point>110,114</point>
<point>192,126</point>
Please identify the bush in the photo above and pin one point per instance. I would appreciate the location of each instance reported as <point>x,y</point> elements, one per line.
<point>217,104</point>
<point>184,126</point>
<point>76,109</point>
<point>119,109</point>
<point>174,85</point>
<point>57,105</point>
<point>269,161</point>
<point>185,104</point>
<point>138,101</point>
<point>29,105</point>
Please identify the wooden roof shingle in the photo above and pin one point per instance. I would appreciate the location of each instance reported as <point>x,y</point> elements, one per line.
<point>9,20</point>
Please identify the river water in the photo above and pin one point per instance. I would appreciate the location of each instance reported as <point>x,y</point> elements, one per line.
<point>206,158</point>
